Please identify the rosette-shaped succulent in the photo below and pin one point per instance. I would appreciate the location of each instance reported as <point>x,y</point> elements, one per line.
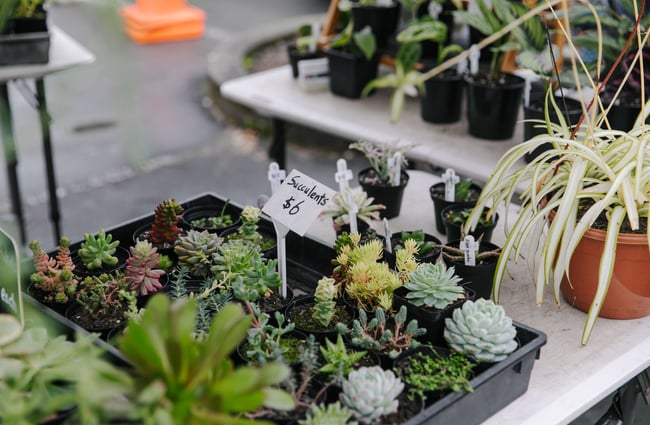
<point>97,251</point>
<point>195,251</point>
<point>324,301</point>
<point>142,273</point>
<point>371,392</point>
<point>482,329</point>
<point>434,286</point>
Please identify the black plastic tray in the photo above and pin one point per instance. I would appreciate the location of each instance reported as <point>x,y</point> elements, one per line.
<point>308,260</point>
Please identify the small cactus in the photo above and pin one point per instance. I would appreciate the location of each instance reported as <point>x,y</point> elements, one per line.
<point>195,250</point>
<point>482,329</point>
<point>54,277</point>
<point>166,217</point>
<point>434,286</point>
<point>142,273</point>
<point>98,251</point>
<point>371,392</point>
<point>325,304</point>
<point>332,414</point>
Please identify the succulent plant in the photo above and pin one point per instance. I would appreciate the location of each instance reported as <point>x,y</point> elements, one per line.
<point>324,298</point>
<point>434,286</point>
<point>166,217</point>
<point>105,295</point>
<point>338,359</point>
<point>142,273</point>
<point>371,392</point>
<point>195,250</point>
<point>98,251</point>
<point>250,216</point>
<point>482,329</point>
<point>331,414</point>
<point>54,277</point>
<point>339,208</point>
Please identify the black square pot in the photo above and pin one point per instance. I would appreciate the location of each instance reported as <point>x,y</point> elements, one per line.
<point>350,72</point>
<point>382,20</point>
<point>441,102</point>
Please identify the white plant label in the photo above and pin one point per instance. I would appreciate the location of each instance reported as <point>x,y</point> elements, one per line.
<point>275,176</point>
<point>313,74</point>
<point>474,56</point>
<point>388,235</point>
<point>385,3</point>
<point>450,179</point>
<point>343,174</point>
<point>469,247</point>
<point>298,202</point>
<point>11,298</point>
<point>395,168</point>
<point>315,32</point>
<point>461,67</point>
<point>353,209</point>
<point>434,10</point>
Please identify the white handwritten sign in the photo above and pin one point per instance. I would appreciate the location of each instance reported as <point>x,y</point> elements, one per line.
<point>11,299</point>
<point>298,202</point>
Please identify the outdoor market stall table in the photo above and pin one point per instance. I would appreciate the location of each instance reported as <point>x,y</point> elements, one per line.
<point>274,93</point>
<point>65,53</point>
<point>568,378</point>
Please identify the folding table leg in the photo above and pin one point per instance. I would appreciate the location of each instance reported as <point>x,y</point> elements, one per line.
<point>55,215</point>
<point>11,159</point>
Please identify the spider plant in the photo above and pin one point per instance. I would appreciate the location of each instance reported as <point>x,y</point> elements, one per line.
<point>591,172</point>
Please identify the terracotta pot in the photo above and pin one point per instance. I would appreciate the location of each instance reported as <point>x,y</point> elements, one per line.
<point>628,296</point>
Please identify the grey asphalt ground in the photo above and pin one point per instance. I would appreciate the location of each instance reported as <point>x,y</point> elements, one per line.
<point>138,125</point>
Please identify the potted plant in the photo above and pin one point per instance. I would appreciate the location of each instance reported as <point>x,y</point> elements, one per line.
<point>493,98</point>
<point>24,33</point>
<point>381,17</point>
<point>333,413</point>
<point>303,48</point>
<point>252,230</point>
<point>194,250</point>
<point>53,282</point>
<point>339,360</point>
<point>99,254</point>
<point>466,193</point>
<point>142,272</point>
<point>164,230</point>
<point>428,246</point>
<point>188,380</point>
<point>385,179</point>
<point>481,329</point>
<point>477,277</point>
<point>454,218</point>
<point>353,61</point>
<point>213,218</point>
<point>366,210</point>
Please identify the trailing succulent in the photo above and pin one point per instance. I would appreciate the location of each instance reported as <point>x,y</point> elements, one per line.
<point>265,340</point>
<point>434,286</point>
<point>105,294</point>
<point>142,272</point>
<point>387,338</point>
<point>325,301</point>
<point>54,276</point>
<point>371,392</point>
<point>166,217</point>
<point>97,251</point>
<point>195,250</point>
<point>482,329</point>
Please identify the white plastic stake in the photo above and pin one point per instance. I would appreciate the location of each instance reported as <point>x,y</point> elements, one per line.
<point>385,3</point>
<point>461,67</point>
<point>450,178</point>
<point>474,56</point>
<point>388,235</point>
<point>527,88</point>
<point>281,232</point>
<point>343,175</point>
<point>275,176</point>
<point>434,10</point>
<point>469,247</point>
<point>353,209</point>
<point>315,33</point>
<point>395,168</point>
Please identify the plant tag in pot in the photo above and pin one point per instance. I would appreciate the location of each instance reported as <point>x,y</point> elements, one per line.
<point>343,174</point>
<point>313,74</point>
<point>385,3</point>
<point>469,247</point>
<point>434,10</point>
<point>353,209</point>
<point>474,56</point>
<point>387,232</point>
<point>395,168</point>
<point>276,175</point>
<point>450,179</point>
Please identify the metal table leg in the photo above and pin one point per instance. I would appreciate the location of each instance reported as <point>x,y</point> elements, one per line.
<point>278,148</point>
<point>11,159</point>
<point>55,215</point>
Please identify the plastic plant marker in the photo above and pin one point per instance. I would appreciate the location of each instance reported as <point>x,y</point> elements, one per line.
<point>315,29</point>
<point>387,232</point>
<point>434,10</point>
<point>461,67</point>
<point>343,174</point>
<point>469,247</point>
<point>353,209</point>
<point>450,179</point>
<point>11,294</point>
<point>275,176</point>
<point>281,233</point>
<point>384,3</point>
<point>395,168</point>
<point>474,56</point>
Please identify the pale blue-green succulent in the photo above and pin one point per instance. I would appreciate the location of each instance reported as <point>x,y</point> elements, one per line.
<point>434,286</point>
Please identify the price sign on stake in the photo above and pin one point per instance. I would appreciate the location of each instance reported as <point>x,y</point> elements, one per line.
<point>294,206</point>
<point>469,247</point>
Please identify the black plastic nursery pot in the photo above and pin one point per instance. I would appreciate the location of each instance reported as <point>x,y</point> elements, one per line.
<point>478,278</point>
<point>382,20</point>
<point>454,230</point>
<point>437,194</point>
<point>296,56</point>
<point>194,218</point>
<point>442,101</point>
<point>303,306</point>
<point>430,257</point>
<point>25,41</point>
<point>535,111</point>
<point>389,196</point>
<point>350,72</point>
<point>492,109</point>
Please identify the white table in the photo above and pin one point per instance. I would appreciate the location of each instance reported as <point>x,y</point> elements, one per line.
<point>65,53</point>
<point>568,378</point>
<point>276,94</point>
